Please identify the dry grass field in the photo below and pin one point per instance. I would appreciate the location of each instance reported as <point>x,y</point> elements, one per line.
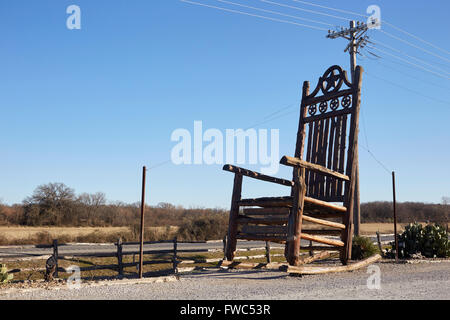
<point>42,235</point>
<point>17,233</point>
<point>370,228</point>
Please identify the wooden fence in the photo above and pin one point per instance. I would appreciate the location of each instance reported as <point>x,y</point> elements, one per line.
<point>172,256</point>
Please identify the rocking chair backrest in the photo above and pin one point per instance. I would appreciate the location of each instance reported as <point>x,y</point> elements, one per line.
<point>328,126</point>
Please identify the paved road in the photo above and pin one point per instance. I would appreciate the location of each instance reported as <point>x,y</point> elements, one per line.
<point>397,281</point>
<point>33,251</point>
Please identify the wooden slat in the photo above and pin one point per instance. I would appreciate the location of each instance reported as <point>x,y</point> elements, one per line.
<point>266,211</point>
<point>312,174</point>
<point>291,161</point>
<point>317,180</point>
<point>329,180</point>
<point>277,203</point>
<point>342,151</point>
<point>308,152</point>
<point>322,222</point>
<point>282,230</point>
<point>271,220</point>
<point>311,203</point>
<point>322,232</point>
<point>323,240</point>
<point>258,237</point>
<point>267,202</point>
<point>323,158</point>
<point>322,248</point>
<point>257,175</point>
<point>323,215</point>
<point>335,166</point>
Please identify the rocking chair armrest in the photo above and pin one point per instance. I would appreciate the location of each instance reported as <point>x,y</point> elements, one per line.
<point>295,162</point>
<point>257,175</point>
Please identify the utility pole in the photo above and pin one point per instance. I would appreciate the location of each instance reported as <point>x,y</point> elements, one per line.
<point>357,39</point>
<point>141,242</point>
<point>394,202</point>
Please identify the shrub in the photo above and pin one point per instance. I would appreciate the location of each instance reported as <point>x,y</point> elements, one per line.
<point>4,276</point>
<point>430,241</point>
<point>363,247</point>
<point>204,228</point>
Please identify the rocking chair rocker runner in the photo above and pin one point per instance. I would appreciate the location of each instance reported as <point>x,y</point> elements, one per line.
<point>323,174</point>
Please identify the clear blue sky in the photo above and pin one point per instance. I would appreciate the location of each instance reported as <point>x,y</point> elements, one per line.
<point>90,107</point>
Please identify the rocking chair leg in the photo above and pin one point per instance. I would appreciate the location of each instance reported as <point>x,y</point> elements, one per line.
<point>346,252</point>
<point>295,221</point>
<point>233,223</point>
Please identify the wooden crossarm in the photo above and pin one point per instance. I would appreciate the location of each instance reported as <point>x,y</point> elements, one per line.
<point>295,162</point>
<point>257,175</point>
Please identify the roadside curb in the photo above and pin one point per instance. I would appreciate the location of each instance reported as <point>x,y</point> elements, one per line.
<point>87,284</point>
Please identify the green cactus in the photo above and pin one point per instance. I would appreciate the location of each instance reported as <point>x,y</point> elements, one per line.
<point>430,241</point>
<point>4,276</point>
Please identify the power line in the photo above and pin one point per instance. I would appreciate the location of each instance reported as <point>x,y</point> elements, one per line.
<point>413,45</point>
<point>253,15</point>
<point>159,164</point>
<point>278,111</point>
<point>376,159</point>
<point>364,127</point>
<point>334,9</point>
<point>416,37</point>
<point>304,10</point>
<point>275,12</point>
<point>417,59</point>
<point>411,63</point>
<point>383,21</point>
<point>405,73</point>
<point>408,89</point>
<point>270,120</point>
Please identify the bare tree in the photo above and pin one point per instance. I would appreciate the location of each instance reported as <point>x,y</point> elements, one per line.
<point>445,200</point>
<point>50,204</point>
<point>92,199</point>
<point>52,194</point>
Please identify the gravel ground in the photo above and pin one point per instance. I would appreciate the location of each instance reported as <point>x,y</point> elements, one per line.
<point>403,281</point>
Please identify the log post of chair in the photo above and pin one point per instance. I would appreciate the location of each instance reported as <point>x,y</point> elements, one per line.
<point>120,257</point>
<point>352,164</point>
<point>295,218</point>
<point>55,255</point>
<point>233,222</point>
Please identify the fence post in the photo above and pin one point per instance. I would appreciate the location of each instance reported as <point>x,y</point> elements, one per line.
<point>119,257</point>
<point>311,252</point>
<point>268,252</point>
<point>55,255</point>
<point>174,258</point>
<point>379,243</point>
<point>224,247</point>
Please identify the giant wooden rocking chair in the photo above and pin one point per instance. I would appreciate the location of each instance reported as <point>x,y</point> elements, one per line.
<point>323,175</point>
